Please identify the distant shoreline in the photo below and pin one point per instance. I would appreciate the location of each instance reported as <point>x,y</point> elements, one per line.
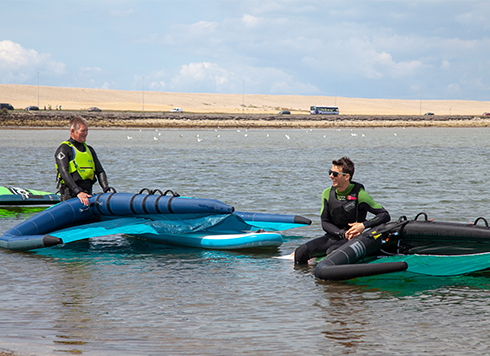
<point>109,100</point>
<point>112,119</point>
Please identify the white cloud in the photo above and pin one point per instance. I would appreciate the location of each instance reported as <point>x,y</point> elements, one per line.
<point>157,85</point>
<point>475,16</point>
<point>210,77</point>
<point>206,73</point>
<point>250,21</point>
<point>396,69</point>
<point>445,65</point>
<point>453,89</point>
<point>19,65</point>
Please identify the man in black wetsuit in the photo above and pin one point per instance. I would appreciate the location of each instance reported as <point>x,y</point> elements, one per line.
<point>344,209</point>
<point>78,165</point>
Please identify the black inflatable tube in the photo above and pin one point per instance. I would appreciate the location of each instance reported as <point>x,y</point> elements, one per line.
<point>443,231</point>
<point>344,272</point>
<point>341,263</point>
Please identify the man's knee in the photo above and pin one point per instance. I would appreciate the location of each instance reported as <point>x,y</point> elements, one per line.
<point>301,255</point>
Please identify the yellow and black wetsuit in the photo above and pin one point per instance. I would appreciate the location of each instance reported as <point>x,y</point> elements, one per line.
<point>78,169</point>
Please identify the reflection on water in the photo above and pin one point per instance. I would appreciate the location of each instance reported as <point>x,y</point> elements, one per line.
<point>122,296</point>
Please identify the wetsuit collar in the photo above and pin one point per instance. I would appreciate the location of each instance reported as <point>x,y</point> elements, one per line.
<point>345,192</point>
<point>78,145</point>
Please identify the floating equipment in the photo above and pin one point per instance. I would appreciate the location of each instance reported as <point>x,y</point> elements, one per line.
<point>20,196</point>
<point>156,216</point>
<point>419,246</point>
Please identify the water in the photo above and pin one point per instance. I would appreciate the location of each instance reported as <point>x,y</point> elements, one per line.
<point>121,296</point>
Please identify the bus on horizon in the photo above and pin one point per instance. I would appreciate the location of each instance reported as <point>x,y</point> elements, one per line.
<point>324,110</point>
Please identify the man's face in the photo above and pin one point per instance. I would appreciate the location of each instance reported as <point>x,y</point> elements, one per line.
<point>341,182</point>
<point>80,135</point>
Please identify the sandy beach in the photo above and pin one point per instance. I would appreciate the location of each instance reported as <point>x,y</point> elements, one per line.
<point>21,96</point>
<point>151,109</point>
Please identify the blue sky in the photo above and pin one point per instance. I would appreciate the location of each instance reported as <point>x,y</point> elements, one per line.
<point>366,49</point>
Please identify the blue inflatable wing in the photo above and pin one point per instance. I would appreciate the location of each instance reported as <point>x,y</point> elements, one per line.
<point>206,223</point>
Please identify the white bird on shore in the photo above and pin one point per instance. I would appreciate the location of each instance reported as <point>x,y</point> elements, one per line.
<point>199,139</point>
<point>287,136</point>
<point>130,138</point>
<point>155,138</point>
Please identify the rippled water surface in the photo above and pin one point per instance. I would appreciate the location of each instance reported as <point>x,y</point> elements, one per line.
<point>122,296</point>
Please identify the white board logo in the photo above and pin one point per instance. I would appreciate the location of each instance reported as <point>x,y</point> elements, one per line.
<point>19,191</point>
<point>358,249</point>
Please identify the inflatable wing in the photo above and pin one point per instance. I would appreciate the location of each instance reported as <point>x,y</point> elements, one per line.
<point>206,223</point>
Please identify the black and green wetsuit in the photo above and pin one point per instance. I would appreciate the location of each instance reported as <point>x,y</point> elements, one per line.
<point>339,209</point>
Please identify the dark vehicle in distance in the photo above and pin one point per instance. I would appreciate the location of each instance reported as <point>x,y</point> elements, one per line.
<point>285,112</point>
<point>31,108</point>
<point>6,106</point>
<point>93,109</point>
<point>429,113</point>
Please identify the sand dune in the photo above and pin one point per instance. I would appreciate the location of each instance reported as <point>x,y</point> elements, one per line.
<point>21,96</point>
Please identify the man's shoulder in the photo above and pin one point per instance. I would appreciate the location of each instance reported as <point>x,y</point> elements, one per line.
<point>91,149</point>
<point>64,146</point>
<point>327,191</point>
<point>358,185</point>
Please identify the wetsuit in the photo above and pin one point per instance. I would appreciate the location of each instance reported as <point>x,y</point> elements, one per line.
<point>72,183</point>
<point>338,210</point>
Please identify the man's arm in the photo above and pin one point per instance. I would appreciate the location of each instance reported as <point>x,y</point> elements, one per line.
<point>99,170</point>
<point>366,203</point>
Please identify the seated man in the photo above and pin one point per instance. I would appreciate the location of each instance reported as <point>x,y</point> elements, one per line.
<point>344,209</point>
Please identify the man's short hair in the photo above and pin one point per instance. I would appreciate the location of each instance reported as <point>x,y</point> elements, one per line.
<point>347,166</point>
<point>76,122</point>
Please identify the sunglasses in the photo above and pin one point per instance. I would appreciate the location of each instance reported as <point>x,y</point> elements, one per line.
<point>335,174</point>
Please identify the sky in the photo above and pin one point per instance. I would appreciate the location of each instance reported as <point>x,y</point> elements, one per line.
<point>431,50</point>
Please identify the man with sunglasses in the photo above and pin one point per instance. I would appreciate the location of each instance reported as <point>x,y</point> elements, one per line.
<point>344,209</point>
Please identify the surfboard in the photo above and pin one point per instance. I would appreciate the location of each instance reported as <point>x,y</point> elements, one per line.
<point>10,195</point>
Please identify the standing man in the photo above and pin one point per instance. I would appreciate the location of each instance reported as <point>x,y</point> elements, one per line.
<point>344,208</point>
<point>78,165</point>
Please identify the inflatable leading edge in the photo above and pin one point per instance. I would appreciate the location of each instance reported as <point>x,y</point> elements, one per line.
<point>34,232</point>
<point>342,264</point>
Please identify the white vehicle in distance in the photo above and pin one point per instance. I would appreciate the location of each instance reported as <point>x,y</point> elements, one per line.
<point>176,110</point>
